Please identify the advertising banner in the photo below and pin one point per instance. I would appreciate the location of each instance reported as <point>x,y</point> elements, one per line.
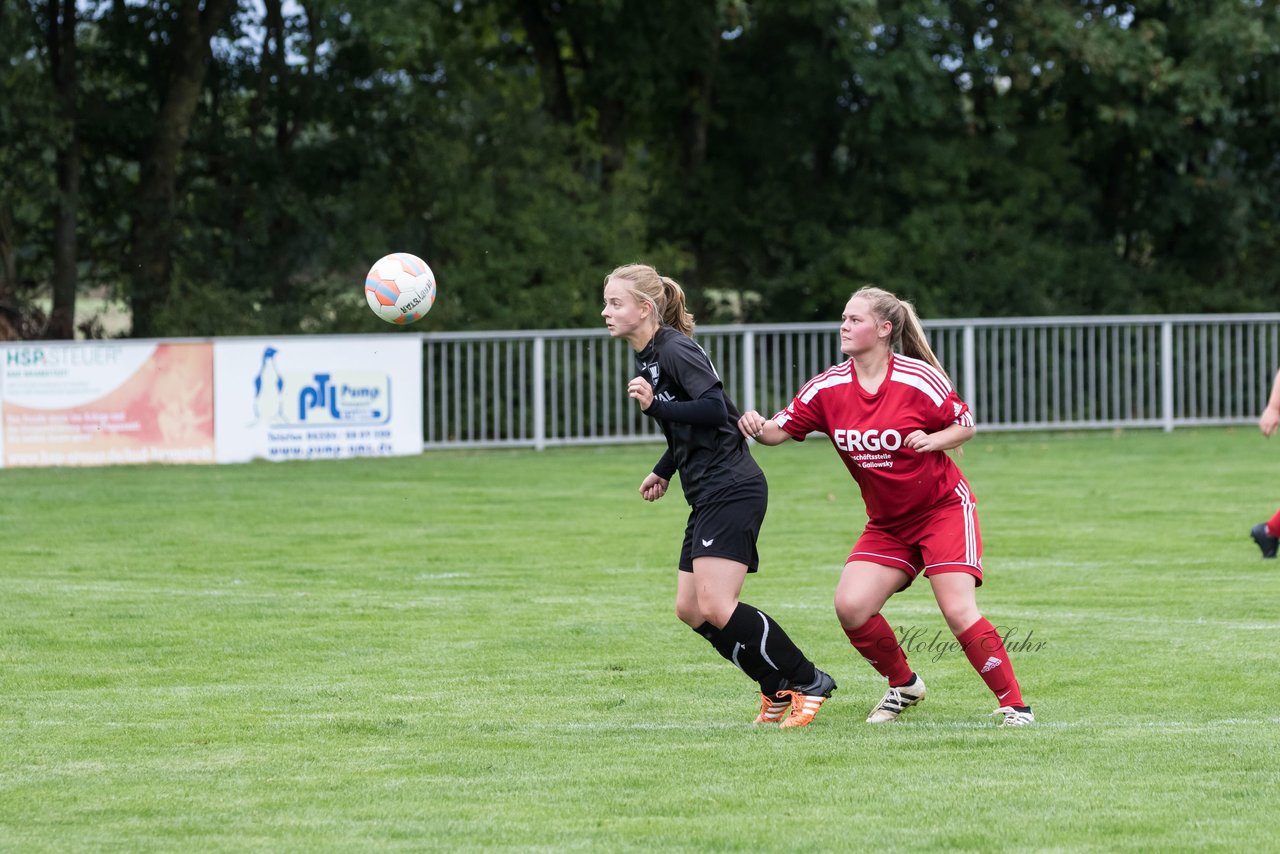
<point>318,398</point>
<point>103,403</point>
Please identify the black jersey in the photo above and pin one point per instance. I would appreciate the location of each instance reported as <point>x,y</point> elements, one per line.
<point>709,459</point>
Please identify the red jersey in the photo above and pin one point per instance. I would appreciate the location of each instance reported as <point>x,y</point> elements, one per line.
<point>867,431</point>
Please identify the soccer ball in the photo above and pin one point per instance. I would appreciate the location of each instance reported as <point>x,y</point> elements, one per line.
<point>400,288</point>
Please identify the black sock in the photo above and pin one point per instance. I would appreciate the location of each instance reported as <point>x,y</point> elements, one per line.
<point>713,637</point>
<point>758,645</point>
<point>770,683</point>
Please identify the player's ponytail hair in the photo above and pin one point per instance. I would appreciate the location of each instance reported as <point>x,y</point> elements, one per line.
<point>907,335</point>
<point>662,292</point>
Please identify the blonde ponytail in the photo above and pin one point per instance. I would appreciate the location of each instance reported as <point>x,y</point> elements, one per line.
<point>674,314</point>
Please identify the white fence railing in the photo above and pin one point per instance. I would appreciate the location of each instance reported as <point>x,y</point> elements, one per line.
<point>545,388</point>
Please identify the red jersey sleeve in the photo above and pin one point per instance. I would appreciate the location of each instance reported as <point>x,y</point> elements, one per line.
<point>805,413</point>
<point>955,411</point>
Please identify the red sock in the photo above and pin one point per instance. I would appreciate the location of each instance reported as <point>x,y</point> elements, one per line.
<point>985,650</point>
<point>1273,527</point>
<point>879,646</point>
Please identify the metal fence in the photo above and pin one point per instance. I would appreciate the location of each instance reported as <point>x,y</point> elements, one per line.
<point>540,389</point>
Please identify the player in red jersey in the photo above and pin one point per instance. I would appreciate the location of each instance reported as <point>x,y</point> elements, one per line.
<point>1267,534</point>
<point>891,413</point>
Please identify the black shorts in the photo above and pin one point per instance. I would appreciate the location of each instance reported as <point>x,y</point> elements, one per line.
<point>727,525</point>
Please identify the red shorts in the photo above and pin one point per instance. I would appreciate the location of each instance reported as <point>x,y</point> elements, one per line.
<point>943,539</point>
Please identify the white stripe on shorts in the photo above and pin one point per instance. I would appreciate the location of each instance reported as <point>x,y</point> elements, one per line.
<point>970,524</point>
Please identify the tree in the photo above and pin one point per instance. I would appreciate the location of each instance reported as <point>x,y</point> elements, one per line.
<point>61,41</point>
<point>152,234</point>
<point>997,157</point>
<point>30,129</point>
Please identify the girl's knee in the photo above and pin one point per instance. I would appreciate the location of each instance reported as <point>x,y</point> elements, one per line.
<point>718,612</point>
<point>710,610</point>
<point>853,613</point>
<point>960,617</point>
<point>689,614</point>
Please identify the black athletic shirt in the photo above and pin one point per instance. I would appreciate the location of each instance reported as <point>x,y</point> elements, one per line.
<point>709,459</point>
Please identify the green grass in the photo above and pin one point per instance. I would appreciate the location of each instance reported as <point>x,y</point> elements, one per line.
<point>479,651</point>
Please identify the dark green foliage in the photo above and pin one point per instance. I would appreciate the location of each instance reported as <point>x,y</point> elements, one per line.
<point>1019,157</point>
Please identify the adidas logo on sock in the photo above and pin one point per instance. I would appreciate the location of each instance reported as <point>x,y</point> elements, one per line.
<point>992,664</point>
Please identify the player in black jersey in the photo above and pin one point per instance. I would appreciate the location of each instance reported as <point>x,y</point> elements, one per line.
<point>676,384</point>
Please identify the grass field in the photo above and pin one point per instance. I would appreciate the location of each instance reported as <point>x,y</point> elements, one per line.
<point>478,651</point>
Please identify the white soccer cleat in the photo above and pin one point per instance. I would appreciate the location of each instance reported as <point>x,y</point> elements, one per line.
<point>1015,715</point>
<point>897,699</point>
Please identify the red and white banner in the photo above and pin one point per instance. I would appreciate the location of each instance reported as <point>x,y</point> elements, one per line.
<point>104,403</point>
